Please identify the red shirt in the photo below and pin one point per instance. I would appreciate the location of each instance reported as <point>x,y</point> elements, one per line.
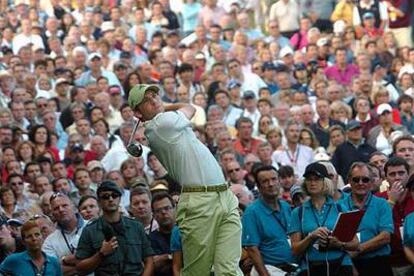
<point>399,212</point>
<point>254,144</point>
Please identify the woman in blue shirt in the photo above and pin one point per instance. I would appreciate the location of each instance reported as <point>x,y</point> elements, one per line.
<point>311,225</point>
<point>32,261</point>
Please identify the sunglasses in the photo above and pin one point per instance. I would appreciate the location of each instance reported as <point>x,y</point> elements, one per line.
<point>362,179</point>
<point>56,195</point>
<point>108,196</point>
<point>16,183</point>
<point>233,170</point>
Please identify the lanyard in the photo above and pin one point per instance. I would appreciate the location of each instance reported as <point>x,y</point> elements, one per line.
<point>70,247</point>
<point>316,218</point>
<point>293,158</point>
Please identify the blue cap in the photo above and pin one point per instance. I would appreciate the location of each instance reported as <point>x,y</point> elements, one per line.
<point>233,84</point>
<point>268,66</point>
<point>299,66</point>
<point>249,95</point>
<point>368,15</point>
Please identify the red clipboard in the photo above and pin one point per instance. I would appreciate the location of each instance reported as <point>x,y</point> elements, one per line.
<point>347,224</point>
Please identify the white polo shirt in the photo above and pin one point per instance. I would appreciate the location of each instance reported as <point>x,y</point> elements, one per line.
<point>187,160</point>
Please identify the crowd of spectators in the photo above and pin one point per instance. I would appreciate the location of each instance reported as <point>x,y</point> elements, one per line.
<point>275,83</point>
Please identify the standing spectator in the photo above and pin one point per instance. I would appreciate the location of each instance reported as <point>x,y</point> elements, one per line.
<point>319,12</point>
<point>63,242</point>
<point>396,173</point>
<point>310,226</point>
<point>286,12</point>
<point>267,243</point>
<point>341,72</point>
<point>322,125</point>
<point>122,245</point>
<point>295,155</point>
<point>376,7</point>
<point>376,226</point>
<point>245,143</point>
<point>163,207</point>
<point>354,149</point>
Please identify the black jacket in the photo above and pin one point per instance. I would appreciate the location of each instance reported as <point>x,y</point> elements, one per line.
<point>346,154</point>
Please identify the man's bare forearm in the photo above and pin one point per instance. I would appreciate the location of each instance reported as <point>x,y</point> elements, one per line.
<point>175,106</point>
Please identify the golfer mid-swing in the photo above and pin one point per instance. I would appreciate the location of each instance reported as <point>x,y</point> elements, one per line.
<point>207,213</point>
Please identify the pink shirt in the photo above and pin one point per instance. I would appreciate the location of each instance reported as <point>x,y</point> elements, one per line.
<point>342,77</point>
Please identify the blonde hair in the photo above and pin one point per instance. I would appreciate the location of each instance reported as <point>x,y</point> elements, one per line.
<point>328,189</point>
<point>378,90</point>
<point>338,105</point>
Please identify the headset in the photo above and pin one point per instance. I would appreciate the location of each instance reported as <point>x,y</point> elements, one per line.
<point>133,147</point>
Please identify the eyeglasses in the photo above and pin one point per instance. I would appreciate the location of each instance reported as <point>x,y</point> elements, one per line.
<point>108,196</point>
<point>16,183</point>
<point>233,170</point>
<point>362,179</point>
<point>162,209</point>
<point>38,216</point>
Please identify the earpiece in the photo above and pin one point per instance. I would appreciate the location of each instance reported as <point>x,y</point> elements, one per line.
<point>134,148</point>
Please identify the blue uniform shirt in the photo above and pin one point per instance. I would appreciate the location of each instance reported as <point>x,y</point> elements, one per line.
<point>309,220</point>
<point>20,264</point>
<point>267,229</point>
<point>377,218</point>
<point>408,239</point>
<point>175,244</point>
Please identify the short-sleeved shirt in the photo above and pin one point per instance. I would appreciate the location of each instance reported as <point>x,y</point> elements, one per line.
<point>20,264</point>
<point>175,243</point>
<point>377,219</point>
<point>267,229</point>
<point>187,160</point>
<point>62,243</point>
<point>134,246</point>
<point>408,239</point>
<point>309,220</point>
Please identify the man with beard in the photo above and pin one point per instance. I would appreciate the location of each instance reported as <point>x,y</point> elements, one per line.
<point>114,244</point>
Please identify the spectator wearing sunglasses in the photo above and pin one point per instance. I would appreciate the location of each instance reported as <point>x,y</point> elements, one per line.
<point>114,244</point>
<point>376,227</point>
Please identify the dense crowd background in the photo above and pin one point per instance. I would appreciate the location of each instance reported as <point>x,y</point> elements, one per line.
<point>278,83</point>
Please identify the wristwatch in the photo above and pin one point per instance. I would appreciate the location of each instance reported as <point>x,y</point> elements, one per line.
<point>170,257</point>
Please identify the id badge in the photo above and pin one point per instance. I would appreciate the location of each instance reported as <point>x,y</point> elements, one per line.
<point>402,231</point>
<point>289,242</point>
<point>359,236</point>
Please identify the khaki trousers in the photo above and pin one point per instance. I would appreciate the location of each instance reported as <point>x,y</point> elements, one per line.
<point>210,230</point>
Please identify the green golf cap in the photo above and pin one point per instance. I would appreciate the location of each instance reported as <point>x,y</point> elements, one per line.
<point>137,93</point>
